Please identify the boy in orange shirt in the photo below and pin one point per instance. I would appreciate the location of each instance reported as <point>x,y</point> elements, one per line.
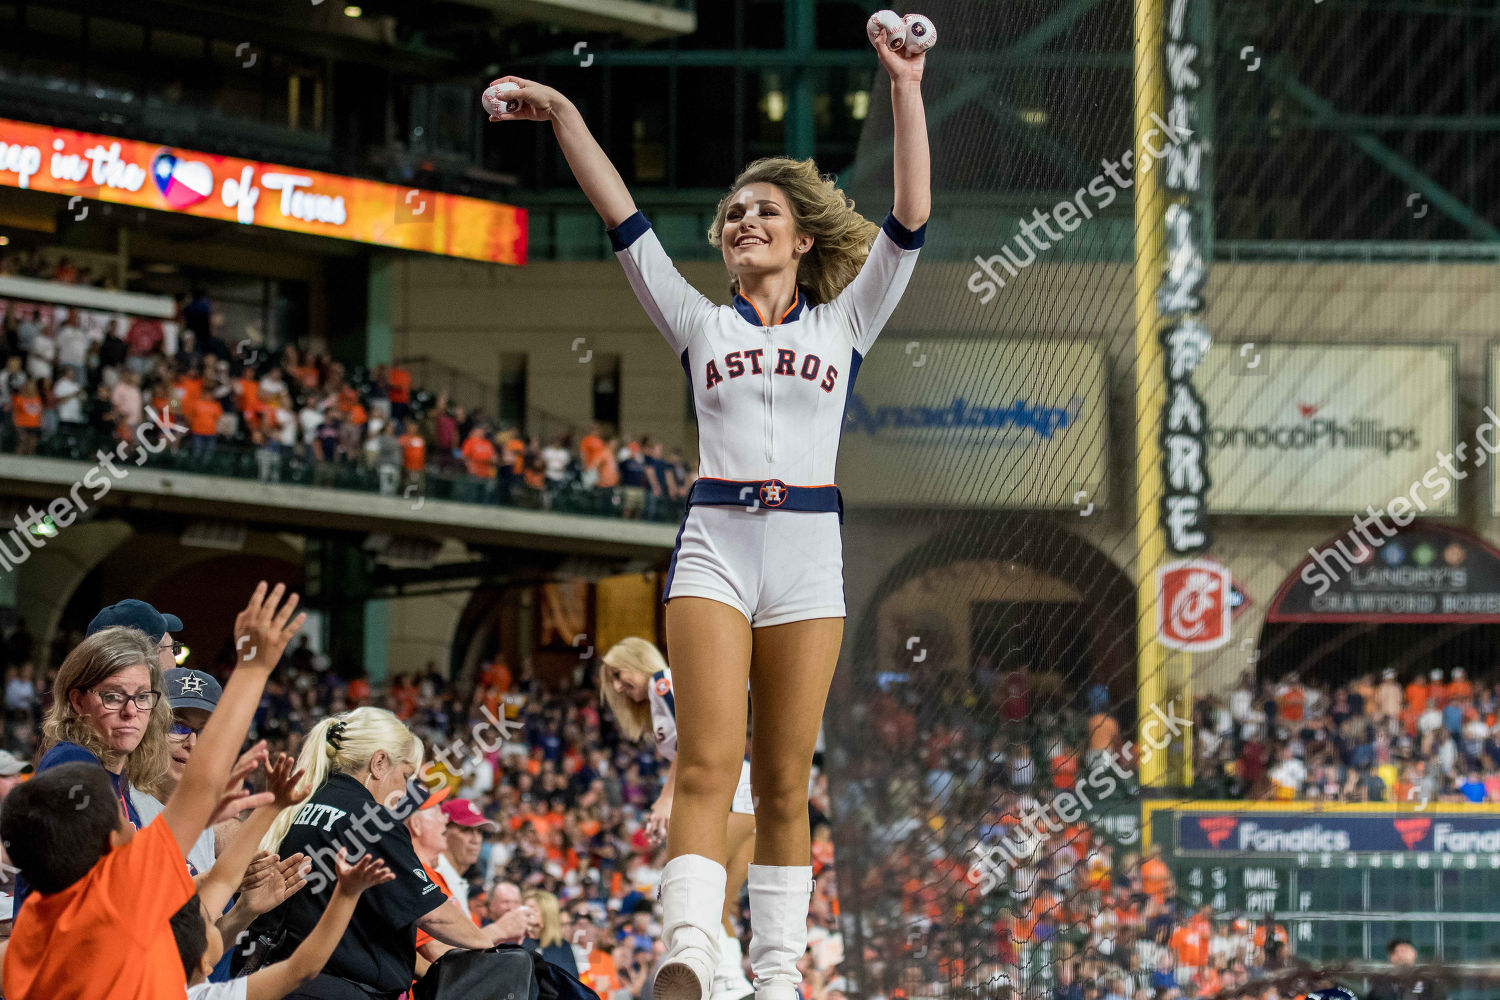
<point>104,894</point>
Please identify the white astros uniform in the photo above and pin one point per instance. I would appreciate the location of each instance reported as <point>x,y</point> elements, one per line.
<point>664,725</point>
<point>761,533</point>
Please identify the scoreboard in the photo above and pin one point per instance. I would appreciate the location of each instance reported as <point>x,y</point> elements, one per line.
<point>1342,879</point>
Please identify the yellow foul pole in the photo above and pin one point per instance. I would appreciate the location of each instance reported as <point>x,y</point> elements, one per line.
<point>1162,674</point>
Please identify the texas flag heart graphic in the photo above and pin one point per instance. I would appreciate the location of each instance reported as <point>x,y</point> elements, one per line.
<point>183,183</point>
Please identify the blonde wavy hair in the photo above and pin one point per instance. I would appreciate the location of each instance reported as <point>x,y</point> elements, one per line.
<point>366,732</point>
<point>546,905</point>
<point>92,662</point>
<point>639,657</point>
<point>820,209</point>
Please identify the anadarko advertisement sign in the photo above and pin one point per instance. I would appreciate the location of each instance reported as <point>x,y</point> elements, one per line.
<point>982,423</point>
<point>168,179</point>
<point>1325,428</point>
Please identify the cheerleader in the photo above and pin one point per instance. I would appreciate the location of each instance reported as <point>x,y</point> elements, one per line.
<point>755,587</point>
<point>636,683</point>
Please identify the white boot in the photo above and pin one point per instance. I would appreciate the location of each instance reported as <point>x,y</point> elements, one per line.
<point>779,899</point>
<point>729,979</point>
<point>692,904</point>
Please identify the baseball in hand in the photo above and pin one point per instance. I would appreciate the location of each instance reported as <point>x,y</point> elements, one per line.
<point>892,23</point>
<point>920,34</point>
<point>913,33</point>
<point>496,104</point>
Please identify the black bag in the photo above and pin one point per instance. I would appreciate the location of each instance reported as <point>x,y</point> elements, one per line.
<point>505,972</point>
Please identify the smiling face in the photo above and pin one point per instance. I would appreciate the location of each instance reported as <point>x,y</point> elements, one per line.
<point>759,235</point>
<point>628,683</point>
<point>122,729</point>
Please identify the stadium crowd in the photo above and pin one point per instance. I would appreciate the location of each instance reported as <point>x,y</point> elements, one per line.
<point>562,801</point>
<point>75,381</point>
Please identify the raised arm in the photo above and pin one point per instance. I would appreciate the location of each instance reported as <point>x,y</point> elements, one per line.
<point>276,981</point>
<point>597,176</point>
<point>262,631</point>
<point>912,165</point>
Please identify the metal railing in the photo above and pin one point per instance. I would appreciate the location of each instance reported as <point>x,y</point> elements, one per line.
<point>443,479</point>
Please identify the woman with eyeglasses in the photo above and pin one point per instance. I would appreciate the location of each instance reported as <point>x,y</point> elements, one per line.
<point>109,708</point>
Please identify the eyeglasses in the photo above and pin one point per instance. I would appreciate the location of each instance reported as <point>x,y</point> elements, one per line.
<point>113,701</point>
<point>181,731</point>
<point>175,647</point>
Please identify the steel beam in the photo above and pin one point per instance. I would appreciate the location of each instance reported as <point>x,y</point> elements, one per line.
<point>1399,166</point>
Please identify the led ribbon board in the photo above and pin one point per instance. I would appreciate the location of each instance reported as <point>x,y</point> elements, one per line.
<point>168,179</point>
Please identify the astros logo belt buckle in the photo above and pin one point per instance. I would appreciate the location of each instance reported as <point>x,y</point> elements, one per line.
<point>773,493</point>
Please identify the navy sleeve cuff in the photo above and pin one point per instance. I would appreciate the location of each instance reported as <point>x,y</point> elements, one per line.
<point>628,232</point>
<point>906,239</point>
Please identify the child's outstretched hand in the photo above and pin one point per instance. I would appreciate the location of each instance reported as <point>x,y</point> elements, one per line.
<point>265,626</point>
<point>237,798</point>
<point>284,781</point>
<point>368,872</point>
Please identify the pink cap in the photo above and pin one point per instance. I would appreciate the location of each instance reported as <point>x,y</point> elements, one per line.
<point>462,812</point>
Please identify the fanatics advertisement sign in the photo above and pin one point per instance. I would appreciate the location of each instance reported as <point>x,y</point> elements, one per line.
<point>1326,428</point>
<point>978,423</point>
<point>146,175</point>
<point>1324,832</point>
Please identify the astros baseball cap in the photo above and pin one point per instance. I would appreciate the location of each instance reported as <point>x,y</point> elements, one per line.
<point>136,614</point>
<point>191,689</point>
<point>419,796</point>
<point>11,765</point>
<point>462,812</point>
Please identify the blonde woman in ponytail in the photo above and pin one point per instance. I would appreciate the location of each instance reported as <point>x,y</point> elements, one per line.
<point>362,767</point>
<point>636,683</point>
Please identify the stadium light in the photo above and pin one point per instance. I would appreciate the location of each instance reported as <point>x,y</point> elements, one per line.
<point>352,11</point>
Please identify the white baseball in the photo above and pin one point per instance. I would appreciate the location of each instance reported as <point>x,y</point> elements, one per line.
<point>495,104</point>
<point>892,23</point>
<point>921,35</point>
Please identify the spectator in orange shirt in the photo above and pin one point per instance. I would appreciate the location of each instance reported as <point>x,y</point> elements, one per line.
<point>1156,877</point>
<point>1416,696</point>
<point>596,967</point>
<point>247,389</point>
<point>105,889</point>
<point>26,414</point>
<point>398,391</point>
<point>479,456</point>
<point>591,444</point>
<point>203,421</point>
<point>414,458</point>
<point>1459,688</point>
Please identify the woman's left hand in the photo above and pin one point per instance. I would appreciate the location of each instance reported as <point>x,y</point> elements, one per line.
<point>903,68</point>
<point>657,819</point>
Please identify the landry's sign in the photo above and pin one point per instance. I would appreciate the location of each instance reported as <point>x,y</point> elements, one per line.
<point>1328,428</point>
<point>1377,572</point>
<point>1243,833</point>
<point>984,423</point>
<point>146,175</point>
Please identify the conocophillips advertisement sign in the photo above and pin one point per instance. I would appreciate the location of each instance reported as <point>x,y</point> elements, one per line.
<point>1325,428</point>
<point>978,423</point>
<point>169,179</point>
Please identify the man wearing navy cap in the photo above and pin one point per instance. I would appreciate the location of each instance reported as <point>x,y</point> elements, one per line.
<point>193,695</point>
<point>139,614</point>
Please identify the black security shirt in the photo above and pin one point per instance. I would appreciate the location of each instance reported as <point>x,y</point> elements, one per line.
<point>379,950</point>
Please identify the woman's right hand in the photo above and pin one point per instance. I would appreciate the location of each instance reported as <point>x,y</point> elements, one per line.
<point>538,102</point>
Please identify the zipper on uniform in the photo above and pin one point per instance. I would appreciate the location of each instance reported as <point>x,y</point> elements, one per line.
<point>770,402</point>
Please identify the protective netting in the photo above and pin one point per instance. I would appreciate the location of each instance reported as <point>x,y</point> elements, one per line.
<point>991,669</point>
